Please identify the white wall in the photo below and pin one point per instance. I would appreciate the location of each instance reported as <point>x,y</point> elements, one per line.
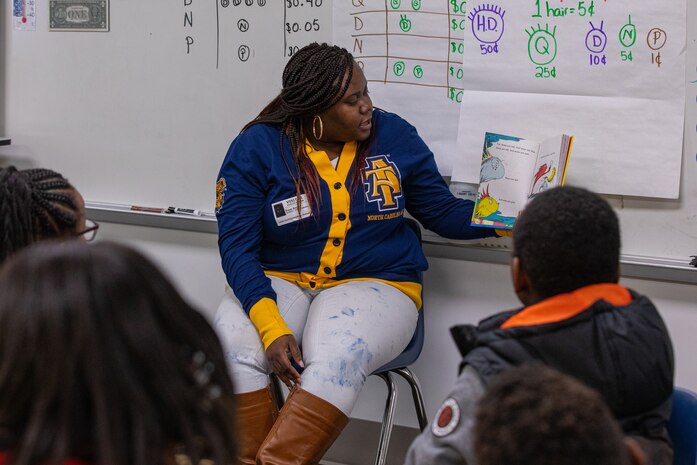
<point>190,259</point>
<point>456,292</point>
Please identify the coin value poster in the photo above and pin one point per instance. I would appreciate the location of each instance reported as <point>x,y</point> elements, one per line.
<point>411,54</point>
<point>609,72</point>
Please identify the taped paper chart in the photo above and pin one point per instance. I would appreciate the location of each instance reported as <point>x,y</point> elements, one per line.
<point>611,72</point>
<point>411,53</point>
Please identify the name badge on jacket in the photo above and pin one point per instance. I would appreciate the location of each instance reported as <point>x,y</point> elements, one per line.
<point>286,211</point>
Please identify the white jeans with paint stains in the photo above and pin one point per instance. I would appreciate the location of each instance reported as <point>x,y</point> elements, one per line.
<point>346,332</point>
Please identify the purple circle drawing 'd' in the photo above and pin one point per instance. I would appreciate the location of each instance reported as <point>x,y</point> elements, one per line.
<point>596,39</point>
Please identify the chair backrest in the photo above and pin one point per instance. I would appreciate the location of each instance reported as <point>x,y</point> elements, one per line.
<point>682,427</point>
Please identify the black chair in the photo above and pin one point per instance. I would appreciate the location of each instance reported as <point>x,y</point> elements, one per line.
<point>400,366</point>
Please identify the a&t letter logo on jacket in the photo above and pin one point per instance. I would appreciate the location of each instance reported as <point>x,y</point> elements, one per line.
<point>382,182</point>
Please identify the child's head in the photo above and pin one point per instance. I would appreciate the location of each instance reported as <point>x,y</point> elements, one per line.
<point>102,360</point>
<point>564,239</point>
<point>37,204</point>
<point>532,414</point>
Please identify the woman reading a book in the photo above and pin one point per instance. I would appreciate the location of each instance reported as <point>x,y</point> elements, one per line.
<point>311,199</point>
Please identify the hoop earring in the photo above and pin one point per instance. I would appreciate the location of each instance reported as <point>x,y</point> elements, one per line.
<point>321,127</point>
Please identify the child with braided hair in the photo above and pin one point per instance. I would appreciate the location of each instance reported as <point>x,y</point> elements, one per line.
<point>37,204</point>
<point>310,204</point>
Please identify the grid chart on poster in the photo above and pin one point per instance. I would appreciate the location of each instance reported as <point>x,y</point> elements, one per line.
<point>411,42</point>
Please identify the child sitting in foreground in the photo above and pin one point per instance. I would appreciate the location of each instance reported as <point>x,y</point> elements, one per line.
<point>576,318</point>
<point>533,414</point>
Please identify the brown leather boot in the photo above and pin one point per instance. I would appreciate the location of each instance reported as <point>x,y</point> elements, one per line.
<point>256,413</point>
<point>305,429</point>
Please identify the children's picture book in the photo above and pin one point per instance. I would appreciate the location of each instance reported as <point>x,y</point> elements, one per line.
<point>513,170</point>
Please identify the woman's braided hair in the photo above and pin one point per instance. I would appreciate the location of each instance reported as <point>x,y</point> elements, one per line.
<point>34,204</point>
<point>315,78</point>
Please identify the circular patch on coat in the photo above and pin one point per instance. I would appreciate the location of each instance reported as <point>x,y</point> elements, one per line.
<point>447,418</point>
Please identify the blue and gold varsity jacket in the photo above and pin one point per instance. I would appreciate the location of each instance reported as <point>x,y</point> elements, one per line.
<point>354,234</point>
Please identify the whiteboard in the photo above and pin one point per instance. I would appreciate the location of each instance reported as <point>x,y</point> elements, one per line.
<point>143,114</point>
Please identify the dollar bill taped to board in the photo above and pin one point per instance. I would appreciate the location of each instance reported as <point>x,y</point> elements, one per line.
<point>79,15</point>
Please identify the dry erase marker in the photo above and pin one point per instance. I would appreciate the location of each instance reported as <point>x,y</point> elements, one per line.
<point>185,211</point>
<point>148,209</point>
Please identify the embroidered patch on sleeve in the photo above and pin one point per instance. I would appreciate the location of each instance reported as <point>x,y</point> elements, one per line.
<point>220,193</point>
<point>447,418</point>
